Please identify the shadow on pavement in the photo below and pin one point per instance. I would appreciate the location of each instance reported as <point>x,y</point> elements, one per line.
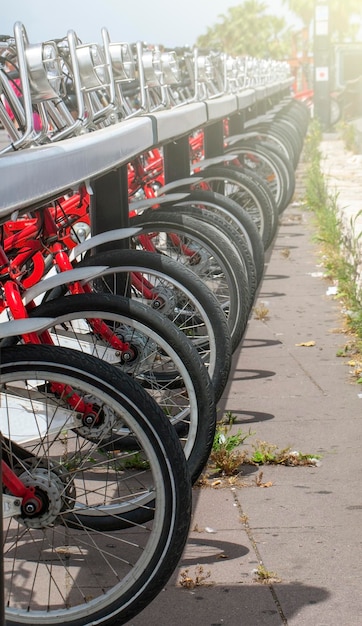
<point>251,417</point>
<point>249,374</point>
<point>251,342</point>
<point>235,605</point>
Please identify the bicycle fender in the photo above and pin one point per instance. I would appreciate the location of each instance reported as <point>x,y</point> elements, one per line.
<point>12,328</point>
<point>63,278</point>
<point>174,184</point>
<point>140,205</point>
<point>201,165</point>
<point>97,240</point>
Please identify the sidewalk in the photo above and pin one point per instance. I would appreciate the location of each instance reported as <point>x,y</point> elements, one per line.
<point>306,526</point>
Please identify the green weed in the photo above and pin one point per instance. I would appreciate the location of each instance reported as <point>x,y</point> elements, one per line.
<point>263,575</point>
<point>348,134</point>
<point>340,256</point>
<point>266,453</point>
<point>225,456</point>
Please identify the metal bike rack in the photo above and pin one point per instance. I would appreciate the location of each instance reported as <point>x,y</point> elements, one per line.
<point>172,128</point>
<point>217,110</point>
<point>99,160</point>
<point>46,172</point>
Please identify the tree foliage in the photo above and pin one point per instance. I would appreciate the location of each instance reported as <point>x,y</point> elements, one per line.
<point>342,26</point>
<point>247,29</point>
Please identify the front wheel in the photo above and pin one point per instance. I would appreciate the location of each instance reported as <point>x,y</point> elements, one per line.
<point>204,250</point>
<point>335,111</point>
<point>150,349</point>
<point>176,292</point>
<point>253,196</point>
<point>57,571</point>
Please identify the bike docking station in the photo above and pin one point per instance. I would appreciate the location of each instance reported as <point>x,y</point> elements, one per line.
<point>54,167</point>
<point>102,105</point>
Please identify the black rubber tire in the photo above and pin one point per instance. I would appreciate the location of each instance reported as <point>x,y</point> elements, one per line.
<point>196,208</point>
<point>278,169</point>
<point>212,252</point>
<point>185,284</point>
<point>239,218</point>
<point>272,130</point>
<point>236,184</point>
<point>188,381</point>
<point>133,580</point>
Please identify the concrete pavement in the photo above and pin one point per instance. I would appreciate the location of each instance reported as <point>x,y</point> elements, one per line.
<point>305,527</point>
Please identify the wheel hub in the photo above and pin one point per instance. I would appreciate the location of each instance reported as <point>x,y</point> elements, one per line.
<point>54,493</point>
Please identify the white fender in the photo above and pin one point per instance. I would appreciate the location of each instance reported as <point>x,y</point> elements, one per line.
<point>175,184</point>
<point>214,161</point>
<point>97,240</point>
<point>63,278</point>
<point>12,328</point>
<point>146,203</point>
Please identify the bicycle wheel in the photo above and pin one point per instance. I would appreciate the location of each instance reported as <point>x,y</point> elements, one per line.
<point>237,217</point>
<point>270,131</point>
<point>264,135</point>
<point>197,208</point>
<point>175,291</point>
<point>149,348</point>
<point>230,181</point>
<point>264,159</point>
<point>233,213</point>
<point>57,572</point>
<point>205,251</point>
<point>288,126</point>
<point>302,114</point>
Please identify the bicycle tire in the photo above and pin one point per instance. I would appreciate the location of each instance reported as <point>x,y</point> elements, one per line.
<point>264,135</point>
<point>302,111</point>
<point>267,161</point>
<point>289,134</point>
<point>272,131</point>
<point>80,576</point>
<point>238,217</point>
<point>196,207</point>
<point>284,166</point>
<point>177,293</point>
<point>289,124</point>
<point>232,182</point>
<point>165,362</point>
<point>213,259</point>
<point>233,213</point>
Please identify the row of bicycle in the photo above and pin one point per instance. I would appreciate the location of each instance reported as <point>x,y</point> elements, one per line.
<point>116,348</point>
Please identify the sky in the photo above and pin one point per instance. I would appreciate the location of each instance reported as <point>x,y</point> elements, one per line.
<point>155,21</point>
